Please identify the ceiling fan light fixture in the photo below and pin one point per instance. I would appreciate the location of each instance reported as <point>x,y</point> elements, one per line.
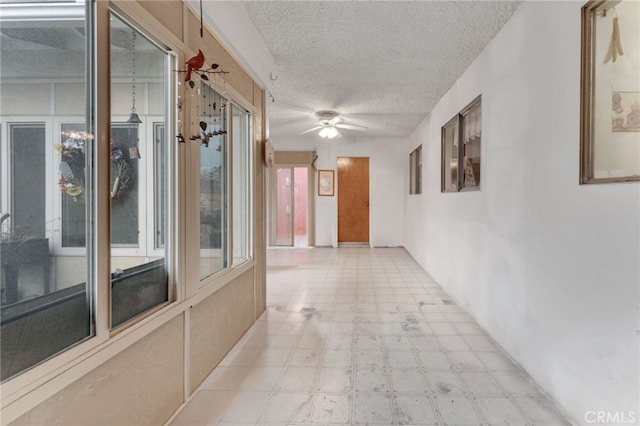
<point>328,131</point>
<point>324,132</point>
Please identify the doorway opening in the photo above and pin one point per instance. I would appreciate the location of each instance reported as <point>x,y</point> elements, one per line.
<point>291,206</point>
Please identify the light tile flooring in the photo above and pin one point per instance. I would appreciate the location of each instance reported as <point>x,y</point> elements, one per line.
<point>364,336</point>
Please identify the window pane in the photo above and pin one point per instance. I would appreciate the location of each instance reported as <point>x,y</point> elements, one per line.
<point>124,186</point>
<point>160,179</point>
<point>139,76</point>
<point>415,171</point>
<point>72,175</point>
<point>28,174</point>
<point>241,141</point>
<point>412,172</point>
<point>213,182</point>
<point>284,210</point>
<point>419,170</point>
<point>45,302</point>
<point>450,156</point>
<point>472,135</point>
<point>300,211</point>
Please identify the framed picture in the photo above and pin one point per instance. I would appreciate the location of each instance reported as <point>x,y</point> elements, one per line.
<point>325,183</point>
<point>625,112</point>
<point>610,92</point>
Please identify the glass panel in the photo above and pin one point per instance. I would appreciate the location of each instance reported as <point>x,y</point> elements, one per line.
<point>472,135</point>
<point>159,183</point>
<point>300,197</point>
<point>46,300</point>
<point>213,182</point>
<point>28,174</point>
<point>241,141</point>
<point>72,180</point>
<point>415,171</point>
<point>125,183</point>
<point>450,156</point>
<point>139,279</point>
<point>412,173</point>
<point>284,220</point>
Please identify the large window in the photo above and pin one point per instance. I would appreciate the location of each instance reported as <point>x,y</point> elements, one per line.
<point>225,129</point>
<point>48,156</point>
<point>46,174</point>
<point>241,143</point>
<point>213,181</point>
<point>138,188</point>
<point>461,138</point>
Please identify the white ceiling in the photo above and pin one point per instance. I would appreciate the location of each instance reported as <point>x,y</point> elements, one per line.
<point>380,64</point>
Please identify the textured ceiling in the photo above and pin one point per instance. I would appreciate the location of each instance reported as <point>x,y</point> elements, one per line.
<point>383,65</point>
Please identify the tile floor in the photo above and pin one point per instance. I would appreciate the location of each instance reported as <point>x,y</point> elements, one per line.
<point>364,336</point>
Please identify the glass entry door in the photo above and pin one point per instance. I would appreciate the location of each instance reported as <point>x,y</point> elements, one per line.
<point>291,206</point>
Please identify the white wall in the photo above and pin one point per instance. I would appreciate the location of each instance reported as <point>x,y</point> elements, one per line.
<point>387,169</point>
<point>548,267</point>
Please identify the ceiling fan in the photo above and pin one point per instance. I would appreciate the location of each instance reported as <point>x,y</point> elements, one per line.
<point>328,123</point>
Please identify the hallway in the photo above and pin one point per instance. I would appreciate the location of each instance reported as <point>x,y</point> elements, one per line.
<point>364,336</point>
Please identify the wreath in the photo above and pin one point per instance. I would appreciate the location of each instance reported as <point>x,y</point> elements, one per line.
<point>72,167</point>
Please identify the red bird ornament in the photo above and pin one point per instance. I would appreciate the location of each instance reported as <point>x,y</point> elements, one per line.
<point>194,63</point>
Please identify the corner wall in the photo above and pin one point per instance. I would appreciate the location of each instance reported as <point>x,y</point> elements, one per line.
<point>548,267</point>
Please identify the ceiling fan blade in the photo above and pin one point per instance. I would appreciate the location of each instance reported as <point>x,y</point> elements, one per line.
<point>310,130</point>
<point>350,127</point>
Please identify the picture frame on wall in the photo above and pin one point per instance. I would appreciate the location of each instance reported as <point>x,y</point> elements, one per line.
<point>326,183</point>
<point>610,92</point>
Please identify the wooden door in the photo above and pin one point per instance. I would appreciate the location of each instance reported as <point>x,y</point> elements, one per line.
<point>353,199</point>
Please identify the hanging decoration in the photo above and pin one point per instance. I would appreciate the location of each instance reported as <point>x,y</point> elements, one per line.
<point>133,117</point>
<point>615,49</point>
<point>205,135</point>
<point>72,166</point>
<point>134,120</point>
<point>616,44</point>
<point>121,172</point>
<point>196,65</point>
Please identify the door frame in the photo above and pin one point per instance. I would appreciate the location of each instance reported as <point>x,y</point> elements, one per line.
<point>292,159</point>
